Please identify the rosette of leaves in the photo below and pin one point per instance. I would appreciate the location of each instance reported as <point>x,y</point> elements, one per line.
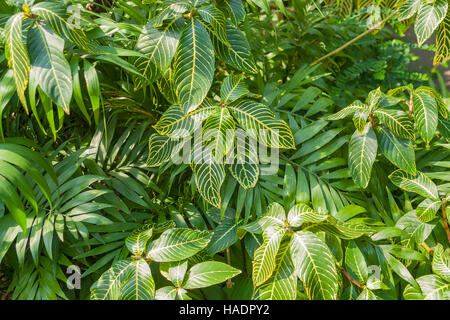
<point>217,124</point>
<point>291,249</point>
<point>434,286</point>
<point>180,44</point>
<point>423,186</point>
<point>132,279</point>
<point>387,121</point>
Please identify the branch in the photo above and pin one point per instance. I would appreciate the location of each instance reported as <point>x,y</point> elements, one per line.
<point>362,35</point>
<point>349,277</point>
<point>444,218</point>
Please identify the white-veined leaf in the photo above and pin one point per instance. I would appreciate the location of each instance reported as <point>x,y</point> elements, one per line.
<point>362,153</point>
<point>418,183</point>
<point>233,88</point>
<point>49,67</point>
<point>397,121</point>
<point>315,266</point>
<point>430,15</point>
<point>441,262</point>
<point>193,66</point>
<point>209,273</point>
<point>398,151</point>
<point>260,123</point>
<point>442,54</point>
<point>302,213</point>
<point>141,285</point>
<point>427,209</point>
<point>425,115</point>
<point>178,244</point>
<point>264,256</point>
<point>159,47</point>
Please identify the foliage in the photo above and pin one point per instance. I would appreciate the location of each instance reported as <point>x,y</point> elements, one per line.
<point>99,104</point>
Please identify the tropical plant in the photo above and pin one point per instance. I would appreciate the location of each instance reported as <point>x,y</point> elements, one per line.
<point>201,149</point>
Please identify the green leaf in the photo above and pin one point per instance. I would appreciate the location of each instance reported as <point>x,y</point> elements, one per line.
<point>362,153</point>
<point>178,244</point>
<point>356,106</point>
<point>56,16</point>
<point>441,262</point>
<point>408,9</point>
<point>245,168</point>
<point>136,242</point>
<point>274,216</point>
<point>315,266</point>
<point>49,67</point>
<point>236,52</point>
<point>397,121</point>
<point>233,88</point>
<point>225,235</point>
<point>193,66</point>
<point>360,120</point>
<point>301,213</point>
<point>175,123</point>
<point>434,287</point>
<point>264,257</point>
<point>419,183</point>
<point>158,48</point>
<point>172,10</point>
<point>141,285</point>
<point>166,293</point>
<point>430,15</point>
<point>216,19</point>
<point>235,10</point>
<point>218,132</point>
<point>398,151</point>
<point>355,262</point>
<point>260,123</point>
<point>109,285</point>
<point>209,273</point>
<point>209,175</point>
<point>427,209</point>
<point>366,294</point>
<point>17,54</point>
<point>174,271</point>
<point>283,283</point>
<point>442,54</point>
<point>425,115</point>
<point>161,148</point>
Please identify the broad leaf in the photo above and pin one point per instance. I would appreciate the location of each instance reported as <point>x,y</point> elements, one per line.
<point>283,283</point>
<point>427,209</point>
<point>315,266</point>
<point>355,262</point>
<point>418,183</point>
<point>442,54</point>
<point>398,151</point>
<point>158,48</point>
<point>233,88</point>
<point>260,123</point>
<point>109,285</point>
<point>193,66</point>
<point>430,15</point>
<point>141,285</point>
<point>17,54</point>
<point>264,257</point>
<point>441,263</point>
<point>362,153</point>
<point>209,273</point>
<point>397,121</point>
<point>301,213</point>
<point>49,67</point>
<point>425,115</point>
<point>178,244</point>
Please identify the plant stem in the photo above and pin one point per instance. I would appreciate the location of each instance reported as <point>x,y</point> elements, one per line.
<point>349,277</point>
<point>229,282</point>
<point>362,35</point>
<point>444,218</point>
<point>427,248</point>
<point>130,109</point>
